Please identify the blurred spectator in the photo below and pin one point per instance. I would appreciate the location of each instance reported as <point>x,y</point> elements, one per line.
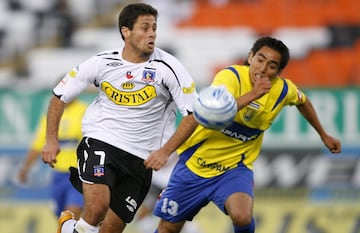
<point>13,5</point>
<point>66,23</point>
<point>41,9</point>
<point>64,195</point>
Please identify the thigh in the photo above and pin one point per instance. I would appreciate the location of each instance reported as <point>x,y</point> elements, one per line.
<point>95,162</point>
<point>97,199</point>
<point>184,196</point>
<point>124,174</point>
<point>165,226</point>
<point>237,180</point>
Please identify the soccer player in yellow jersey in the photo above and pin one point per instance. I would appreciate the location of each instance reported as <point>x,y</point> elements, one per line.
<point>65,196</point>
<point>217,165</point>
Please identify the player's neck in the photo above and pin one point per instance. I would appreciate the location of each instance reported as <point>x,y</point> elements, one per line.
<point>133,56</point>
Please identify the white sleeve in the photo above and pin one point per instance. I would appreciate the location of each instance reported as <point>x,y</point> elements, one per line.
<point>77,80</point>
<point>182,87</point>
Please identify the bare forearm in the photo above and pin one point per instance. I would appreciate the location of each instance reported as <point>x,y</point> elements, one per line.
<point>309,113</point>
<point>55,111</point>
<point>245,100</point>
<point>261,87</point>
<point>31,157</point>
<point>183,132</point>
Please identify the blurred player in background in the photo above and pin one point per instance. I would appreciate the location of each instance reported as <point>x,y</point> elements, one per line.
<point>216,165</point>
<point>64,195</point>
<point>136,84</point>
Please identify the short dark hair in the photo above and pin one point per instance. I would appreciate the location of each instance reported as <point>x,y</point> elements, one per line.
<point>131,12</point>
<point>274,44</point>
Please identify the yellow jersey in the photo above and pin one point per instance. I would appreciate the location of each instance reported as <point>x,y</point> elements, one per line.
<point>69,135</point>
<point>209,152</point>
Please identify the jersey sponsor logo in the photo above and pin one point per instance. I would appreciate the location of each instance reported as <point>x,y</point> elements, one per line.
<point>189,90</point>
<point>134,98</point>
<point>114,64</point>
<point>99,171</point>
<point>131,204</point>
<point>129,75</point>
<point>238,135</point>
<point>128,85</point>
<point>215,166</point>
<point>148,76</point>
<point>72,74</point>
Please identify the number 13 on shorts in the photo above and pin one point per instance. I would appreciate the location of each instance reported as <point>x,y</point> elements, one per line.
<point>169,207</point>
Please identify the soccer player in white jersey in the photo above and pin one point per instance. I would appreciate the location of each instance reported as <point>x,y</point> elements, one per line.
<point>136,82</point>
<point>216,165</point>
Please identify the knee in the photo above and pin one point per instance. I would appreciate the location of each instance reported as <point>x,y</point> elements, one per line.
<point>240,207</point>
<point>97,201</point>
<point>101,208</point>
<point>241,218</point>
<point>95,213</point>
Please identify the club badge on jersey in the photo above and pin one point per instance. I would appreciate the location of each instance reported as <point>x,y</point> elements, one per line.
<point>148,76</point>
<point>99,171</point>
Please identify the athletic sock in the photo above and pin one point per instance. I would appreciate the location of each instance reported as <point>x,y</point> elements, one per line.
<point>68,226</point>
<point>84,227</point>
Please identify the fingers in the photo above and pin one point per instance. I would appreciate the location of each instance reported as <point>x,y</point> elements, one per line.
<point>50,161</point>
<point>48,155</point>
<point>263,85</point>
<point>335,148</point>
<point>152,163</point>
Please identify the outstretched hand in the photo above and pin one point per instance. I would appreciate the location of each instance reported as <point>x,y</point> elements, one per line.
<point>156,160</point>
<point>49,153</point>
<point>332,144</point>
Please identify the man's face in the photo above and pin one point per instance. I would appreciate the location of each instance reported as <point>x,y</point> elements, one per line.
<point>264,63</point>
<point>142,37</point>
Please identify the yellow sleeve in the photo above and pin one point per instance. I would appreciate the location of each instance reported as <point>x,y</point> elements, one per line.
<point>229,79</point>
<point>295,95</point>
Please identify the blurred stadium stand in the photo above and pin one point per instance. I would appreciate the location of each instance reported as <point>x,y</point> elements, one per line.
<point>323,36</point>
<point>29,29</point>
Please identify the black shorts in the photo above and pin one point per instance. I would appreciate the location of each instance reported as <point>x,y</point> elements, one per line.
<point>124,173</point>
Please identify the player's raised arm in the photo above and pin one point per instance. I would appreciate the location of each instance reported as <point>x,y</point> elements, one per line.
<point>309,113</point>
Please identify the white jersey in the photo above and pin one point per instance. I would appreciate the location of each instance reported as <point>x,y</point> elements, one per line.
<point>128,112</point>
